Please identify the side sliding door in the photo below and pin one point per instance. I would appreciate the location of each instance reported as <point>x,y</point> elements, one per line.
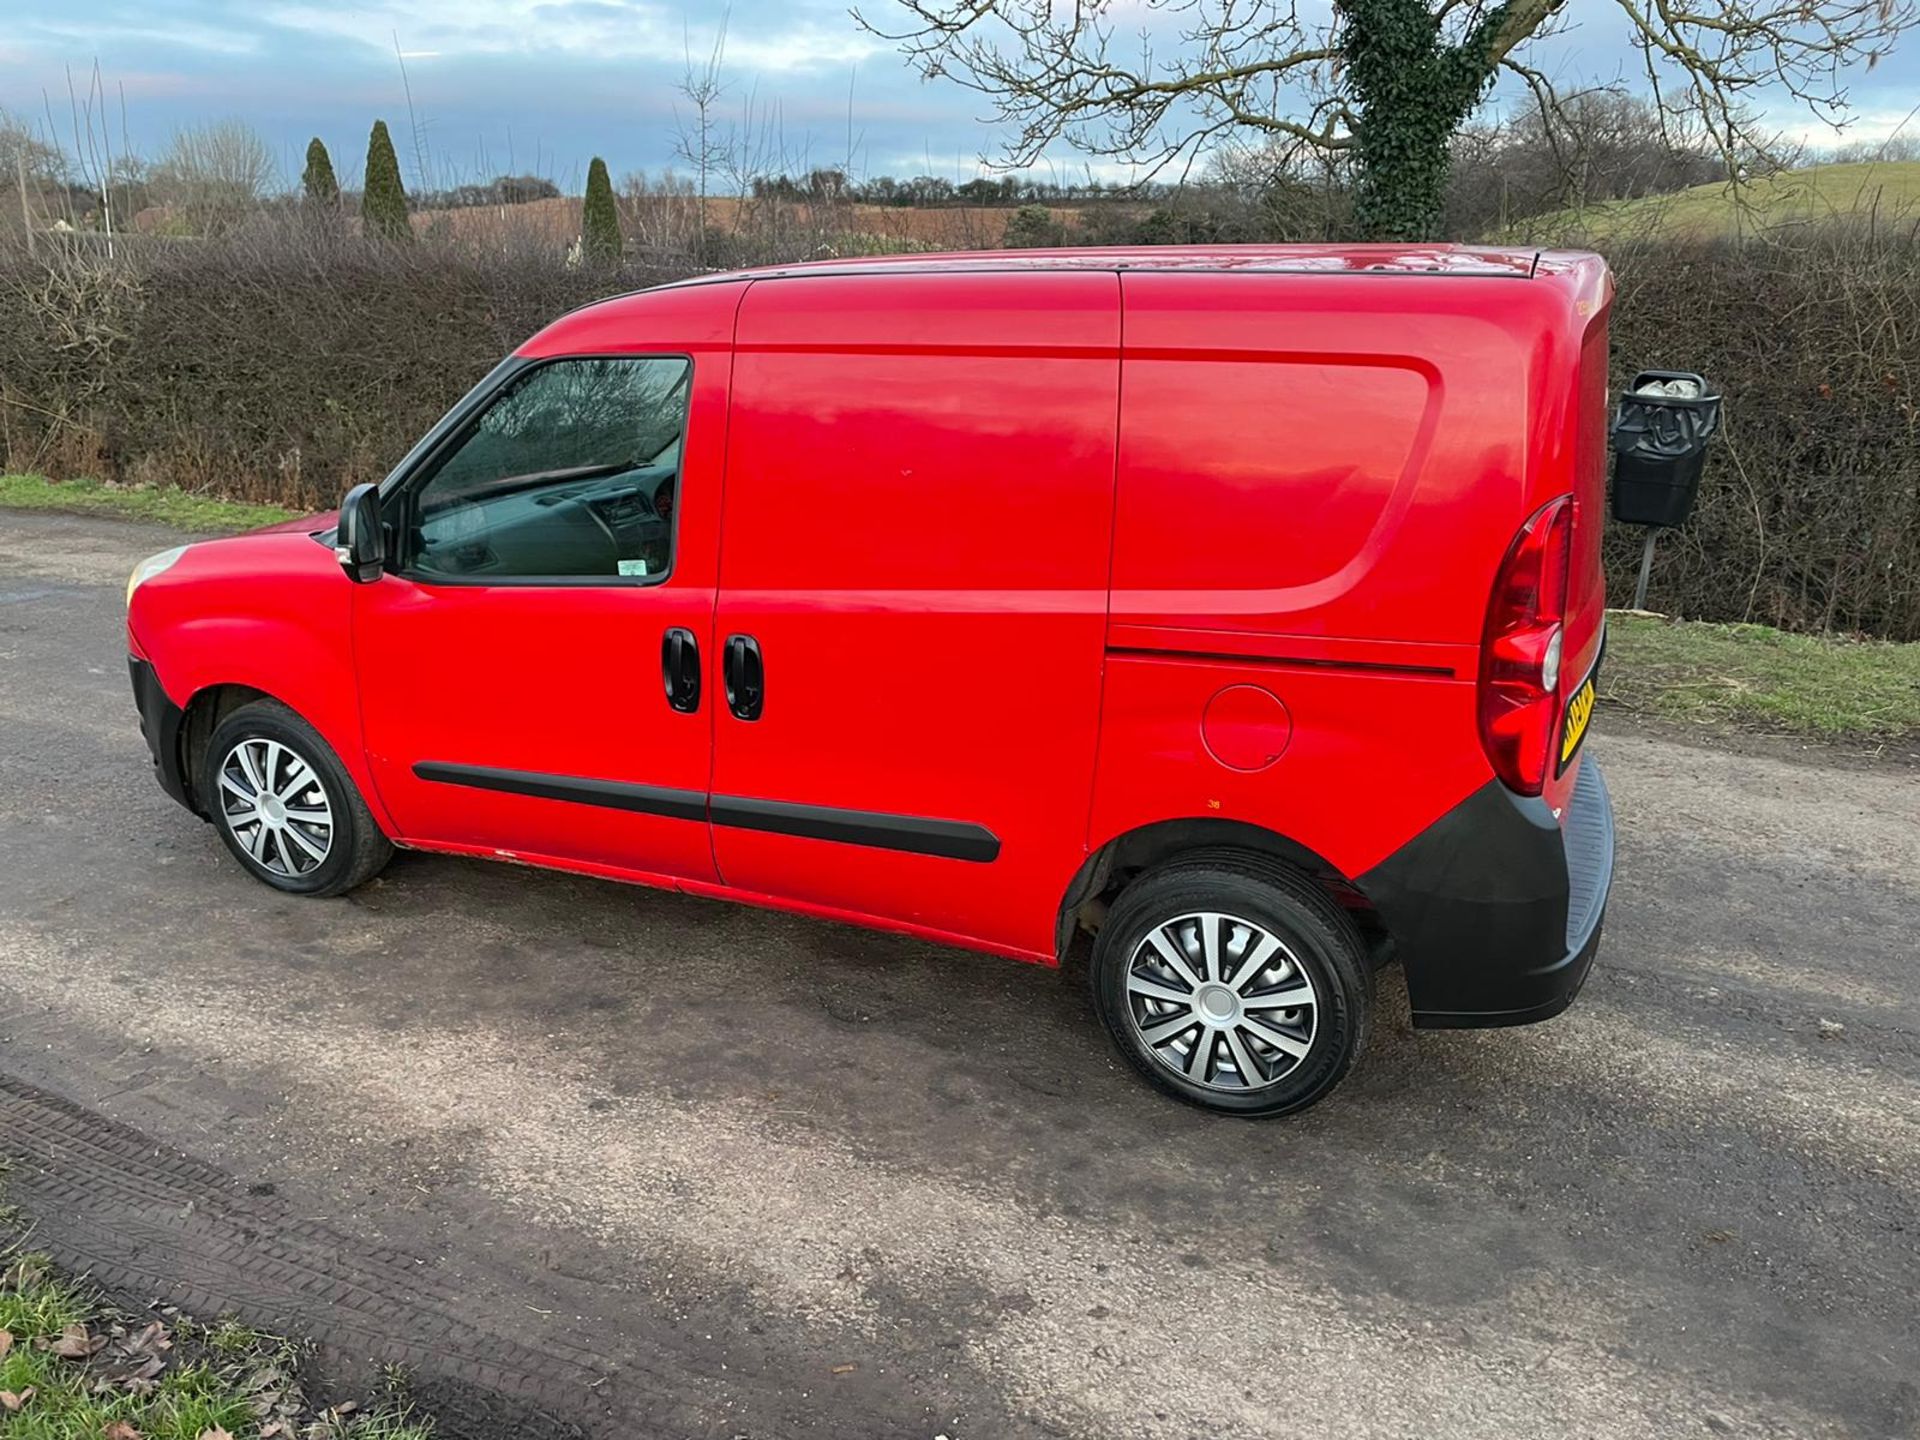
<point>913,593</point>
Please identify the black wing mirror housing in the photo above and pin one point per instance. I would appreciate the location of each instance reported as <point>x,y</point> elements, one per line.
<point>360,543</point>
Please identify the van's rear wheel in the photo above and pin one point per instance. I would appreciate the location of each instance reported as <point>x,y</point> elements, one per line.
<point>1233,985</point>
<point>286,806</point>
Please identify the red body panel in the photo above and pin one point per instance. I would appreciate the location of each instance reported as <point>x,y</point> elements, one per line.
<point>919,488</point>
<point>1319,473</point>
<point>559,680</point>
<point>271,611</point>
<point>1005,528</point>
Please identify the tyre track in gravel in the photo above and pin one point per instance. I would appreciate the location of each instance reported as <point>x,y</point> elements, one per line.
<point>140,1219</point>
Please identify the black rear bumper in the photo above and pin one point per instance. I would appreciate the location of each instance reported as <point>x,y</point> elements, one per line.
<point>1496,909</point>
<point>161,722</point>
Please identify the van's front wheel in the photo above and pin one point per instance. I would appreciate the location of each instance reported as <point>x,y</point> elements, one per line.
<point>1233,985</point>
<point>286,806</point>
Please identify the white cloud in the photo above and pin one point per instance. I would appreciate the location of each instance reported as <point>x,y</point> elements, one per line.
<point>1862,125</point>
<point>600,30</point>
<point>213,39</point>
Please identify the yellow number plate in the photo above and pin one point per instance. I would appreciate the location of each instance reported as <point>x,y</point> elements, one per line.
<point>1574,728</point>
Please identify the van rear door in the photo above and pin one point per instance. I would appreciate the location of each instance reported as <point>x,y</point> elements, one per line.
<point>913,594</point>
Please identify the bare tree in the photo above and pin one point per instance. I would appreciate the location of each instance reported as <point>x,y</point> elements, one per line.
<point>1383,83</point>
<point>699,141</point>
<point>31,167</point>
<point>214,174</point>
<point>22,149</point>
<point>1591,147</point>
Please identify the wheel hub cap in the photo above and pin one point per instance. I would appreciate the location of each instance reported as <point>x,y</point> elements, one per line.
<point>274,804</point>
<point>1222,1002</point>
<point>1218,1005</point>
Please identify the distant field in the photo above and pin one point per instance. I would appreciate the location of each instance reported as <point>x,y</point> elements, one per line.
<point>1890,189</point>
<point>875,227</point>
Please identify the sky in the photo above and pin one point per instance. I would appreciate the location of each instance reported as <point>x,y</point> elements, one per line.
<point>540,86</point>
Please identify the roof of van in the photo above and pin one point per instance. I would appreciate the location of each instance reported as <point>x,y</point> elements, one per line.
<point>1581,277</point>
<point>1481,261</point>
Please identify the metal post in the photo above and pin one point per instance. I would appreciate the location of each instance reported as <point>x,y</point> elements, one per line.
<point>26,211</point>
<point>1646,569</point>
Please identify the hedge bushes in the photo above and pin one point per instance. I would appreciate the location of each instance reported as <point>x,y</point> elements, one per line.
<point>287,363</point>
<point>1809,511</point>
<point>282,367</point>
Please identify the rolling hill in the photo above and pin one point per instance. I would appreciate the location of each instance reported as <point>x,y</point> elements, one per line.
<point>1889,189</point>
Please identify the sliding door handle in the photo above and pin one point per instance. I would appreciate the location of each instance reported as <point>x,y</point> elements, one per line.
<point>680,669</point>
<point>744,676</point>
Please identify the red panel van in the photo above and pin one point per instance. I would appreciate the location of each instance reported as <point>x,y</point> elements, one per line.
<point>1240,607</point>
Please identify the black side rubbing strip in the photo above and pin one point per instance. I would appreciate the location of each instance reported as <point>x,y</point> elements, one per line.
<point>1289,662</point>
<point>950,839</point>
<point>954,839</point>
<point>612,794</point>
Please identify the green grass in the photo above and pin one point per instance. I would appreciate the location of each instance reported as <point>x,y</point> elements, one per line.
<point>224,1378</point>
<point>162,504</point>
<point>1753,677</point>
<point>1891,188</point>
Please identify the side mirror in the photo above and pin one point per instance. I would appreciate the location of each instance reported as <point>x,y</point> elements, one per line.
<point>360,544</point>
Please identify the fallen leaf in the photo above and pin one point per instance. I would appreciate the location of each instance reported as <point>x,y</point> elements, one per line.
<point>75,1344</point>
<point>844,1369</point>
<point>6,1342</point>
<point>216,1433</point>
<point>269,1431</point>
<point>154,1337</point>
<point>119,1430</point>
<point>11,1402</point>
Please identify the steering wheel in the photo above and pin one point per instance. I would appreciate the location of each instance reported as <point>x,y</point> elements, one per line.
<point>593,512</point>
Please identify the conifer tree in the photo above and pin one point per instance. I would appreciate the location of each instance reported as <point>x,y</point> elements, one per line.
<point>599,218</point>
<point>316,181</point>
<point>383,209</point>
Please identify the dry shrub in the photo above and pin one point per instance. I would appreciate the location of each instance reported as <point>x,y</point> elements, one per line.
<point>283,363</point>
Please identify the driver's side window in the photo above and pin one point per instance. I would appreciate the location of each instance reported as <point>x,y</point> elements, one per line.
<point>569,474</point>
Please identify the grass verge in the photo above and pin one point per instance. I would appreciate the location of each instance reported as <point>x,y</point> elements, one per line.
<point>1753,677</point>
<point>74,1368</point>
<point>160,503</point>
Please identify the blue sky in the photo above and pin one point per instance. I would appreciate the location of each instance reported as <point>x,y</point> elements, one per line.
<point>542,85</point>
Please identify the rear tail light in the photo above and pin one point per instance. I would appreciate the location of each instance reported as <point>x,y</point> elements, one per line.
<point>1521,650</point>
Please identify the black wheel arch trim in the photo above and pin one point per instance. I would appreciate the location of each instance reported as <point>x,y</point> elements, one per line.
<point>913,834</point>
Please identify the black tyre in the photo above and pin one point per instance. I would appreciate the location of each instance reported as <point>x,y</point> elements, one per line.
<point>1233,984</point>
<point>285,806</point>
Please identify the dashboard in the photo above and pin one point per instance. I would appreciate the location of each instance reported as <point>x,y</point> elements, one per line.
<point>615,526</point>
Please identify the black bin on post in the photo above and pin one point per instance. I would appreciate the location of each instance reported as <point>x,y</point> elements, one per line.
<point>1660,435</point>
